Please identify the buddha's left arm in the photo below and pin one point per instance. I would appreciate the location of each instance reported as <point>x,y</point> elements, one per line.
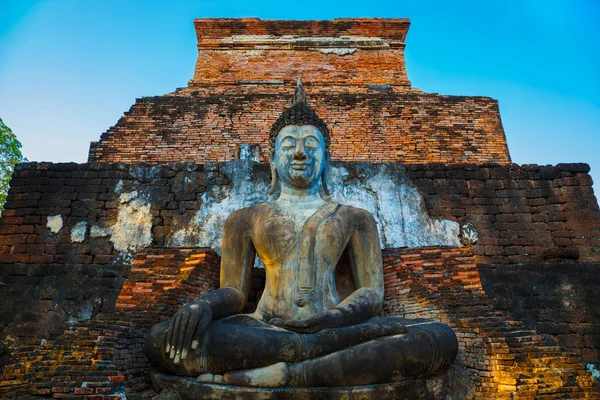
<point>364,251</point>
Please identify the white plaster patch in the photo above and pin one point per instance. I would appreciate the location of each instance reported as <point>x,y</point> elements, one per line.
<point>333,41</point>
<point>119,187</point>
<point>398,208</point>
<point>396,205</point>
<point>98,231</point>
<point>78,232</point>
<point>469,234</point>
<point>206,227</point>
<point>340,51</point>
<point>133,228</point>
<point>249,152</point>
<point>594,371</point>
<point>128,196</point>
<point>55,223</point>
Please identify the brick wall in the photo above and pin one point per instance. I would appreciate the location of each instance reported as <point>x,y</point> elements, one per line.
<point>102,356</point>
<point>344,52</point>
<point>501,357</point>
<point>520,213</point>
<point>527,213</point>
<point>37,300</point>
<point>209,124</point>
<point>557,299</point>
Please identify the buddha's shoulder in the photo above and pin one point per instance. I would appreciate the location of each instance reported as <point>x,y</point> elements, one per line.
<point>355,212</point>
<point>248,214</point>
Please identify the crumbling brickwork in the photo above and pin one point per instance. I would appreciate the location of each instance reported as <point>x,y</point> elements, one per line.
<point>344,52</point>
<point>557,299</point>
<point>377,126</point>
<point>503,359</point>
<point>522,214</point>
<point>101,357</point>
<point>54,294</point>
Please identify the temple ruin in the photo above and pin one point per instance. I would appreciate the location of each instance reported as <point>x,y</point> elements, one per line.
<point>93,254</point>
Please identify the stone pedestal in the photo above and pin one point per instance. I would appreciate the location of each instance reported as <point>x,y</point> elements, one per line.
<point>180,388</point>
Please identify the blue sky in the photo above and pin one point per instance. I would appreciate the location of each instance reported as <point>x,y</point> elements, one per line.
<point>70,68</point>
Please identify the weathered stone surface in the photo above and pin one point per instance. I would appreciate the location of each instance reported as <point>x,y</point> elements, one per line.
<point>40,300</point>
<point>555,299</point>
<point>431,388</point>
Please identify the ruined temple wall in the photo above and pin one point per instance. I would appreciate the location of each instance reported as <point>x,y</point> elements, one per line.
<point>100,353</point>
<point>557,299</point>
<point>102,213</point>
<point>376,125</point>
<point>522,214</point>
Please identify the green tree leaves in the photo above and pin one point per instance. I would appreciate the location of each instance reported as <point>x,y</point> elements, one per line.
<point>10,154</point>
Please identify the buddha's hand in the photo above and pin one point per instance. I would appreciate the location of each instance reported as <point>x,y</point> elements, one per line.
<point>186,329</point>
<point>333,318</point>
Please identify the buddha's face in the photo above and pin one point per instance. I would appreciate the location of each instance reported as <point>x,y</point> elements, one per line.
<point>299,156</point>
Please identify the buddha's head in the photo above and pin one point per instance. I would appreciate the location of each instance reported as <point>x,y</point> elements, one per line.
<point>299,142</point>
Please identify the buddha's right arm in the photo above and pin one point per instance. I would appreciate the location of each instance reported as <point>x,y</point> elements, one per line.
<point>224,301</point>
<point>191,321</point>
<point>237,259</point>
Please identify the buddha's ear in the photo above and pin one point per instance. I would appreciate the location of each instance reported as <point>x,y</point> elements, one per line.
<point>274,176</point>
<point>324,174</point>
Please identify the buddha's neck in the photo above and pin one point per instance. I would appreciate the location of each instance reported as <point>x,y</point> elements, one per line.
<point>300,196</point>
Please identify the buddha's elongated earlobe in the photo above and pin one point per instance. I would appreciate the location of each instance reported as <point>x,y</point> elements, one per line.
<point>274,176</point>
<point>324,174</point>
<point>325,188</point>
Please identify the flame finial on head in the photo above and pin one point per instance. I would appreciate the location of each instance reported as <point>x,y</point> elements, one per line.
<point>299,93</point>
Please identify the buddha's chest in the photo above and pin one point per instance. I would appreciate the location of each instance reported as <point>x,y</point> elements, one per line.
<point>290,237</point>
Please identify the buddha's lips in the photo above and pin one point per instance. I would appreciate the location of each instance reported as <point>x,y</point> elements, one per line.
<point>300,167</point>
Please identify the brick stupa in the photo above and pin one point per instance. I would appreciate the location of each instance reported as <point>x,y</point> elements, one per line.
<point>355,74</point>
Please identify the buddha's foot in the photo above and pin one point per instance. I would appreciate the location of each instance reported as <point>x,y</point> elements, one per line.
<point>274,375</point>
<point>210,378</point>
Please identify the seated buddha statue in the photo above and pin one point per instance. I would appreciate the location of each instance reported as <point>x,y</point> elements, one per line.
<point>305,330</point>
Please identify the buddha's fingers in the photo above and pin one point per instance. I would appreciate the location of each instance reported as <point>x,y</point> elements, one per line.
<point>169,335</point>
<point>201,327</point>
<point>173,332</point>
<point>183,326</point>
<point>313,324</point>
<point>300,326</point>
<point>190,329</point>
<point>277,322</point>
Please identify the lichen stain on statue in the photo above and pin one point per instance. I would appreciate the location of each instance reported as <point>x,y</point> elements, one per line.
<point>303,332</point>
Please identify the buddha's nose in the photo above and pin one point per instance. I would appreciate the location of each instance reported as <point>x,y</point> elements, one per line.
<point>300,153</point>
